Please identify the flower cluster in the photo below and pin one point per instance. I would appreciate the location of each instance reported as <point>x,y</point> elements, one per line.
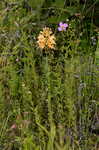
<point>46,39</point>
<point>62,26</point>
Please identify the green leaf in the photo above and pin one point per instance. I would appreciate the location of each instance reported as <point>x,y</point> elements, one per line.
<point>36,4</point>
<point>58,3</point>
<point>97,54</point>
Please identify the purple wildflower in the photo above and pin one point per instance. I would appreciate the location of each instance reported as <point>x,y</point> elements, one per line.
<point>62,26</point>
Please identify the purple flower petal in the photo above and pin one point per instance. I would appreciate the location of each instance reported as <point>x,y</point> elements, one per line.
<point>61,24</point>
<point>59,29</point>
<point>65,25</point>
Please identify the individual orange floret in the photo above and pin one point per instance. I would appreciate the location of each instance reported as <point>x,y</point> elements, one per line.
<point>41,41</point>
<point>51,42</point>
<point>46,32</point>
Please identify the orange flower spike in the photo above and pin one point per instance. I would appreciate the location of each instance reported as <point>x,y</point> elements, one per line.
<point>46,39</point>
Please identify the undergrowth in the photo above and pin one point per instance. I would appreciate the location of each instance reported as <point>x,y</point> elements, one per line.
<point>49,98</point>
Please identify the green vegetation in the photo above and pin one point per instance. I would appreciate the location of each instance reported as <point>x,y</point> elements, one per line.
<point>49,98</point>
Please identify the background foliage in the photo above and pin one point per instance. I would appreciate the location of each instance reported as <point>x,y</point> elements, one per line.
<point>49,101</point>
